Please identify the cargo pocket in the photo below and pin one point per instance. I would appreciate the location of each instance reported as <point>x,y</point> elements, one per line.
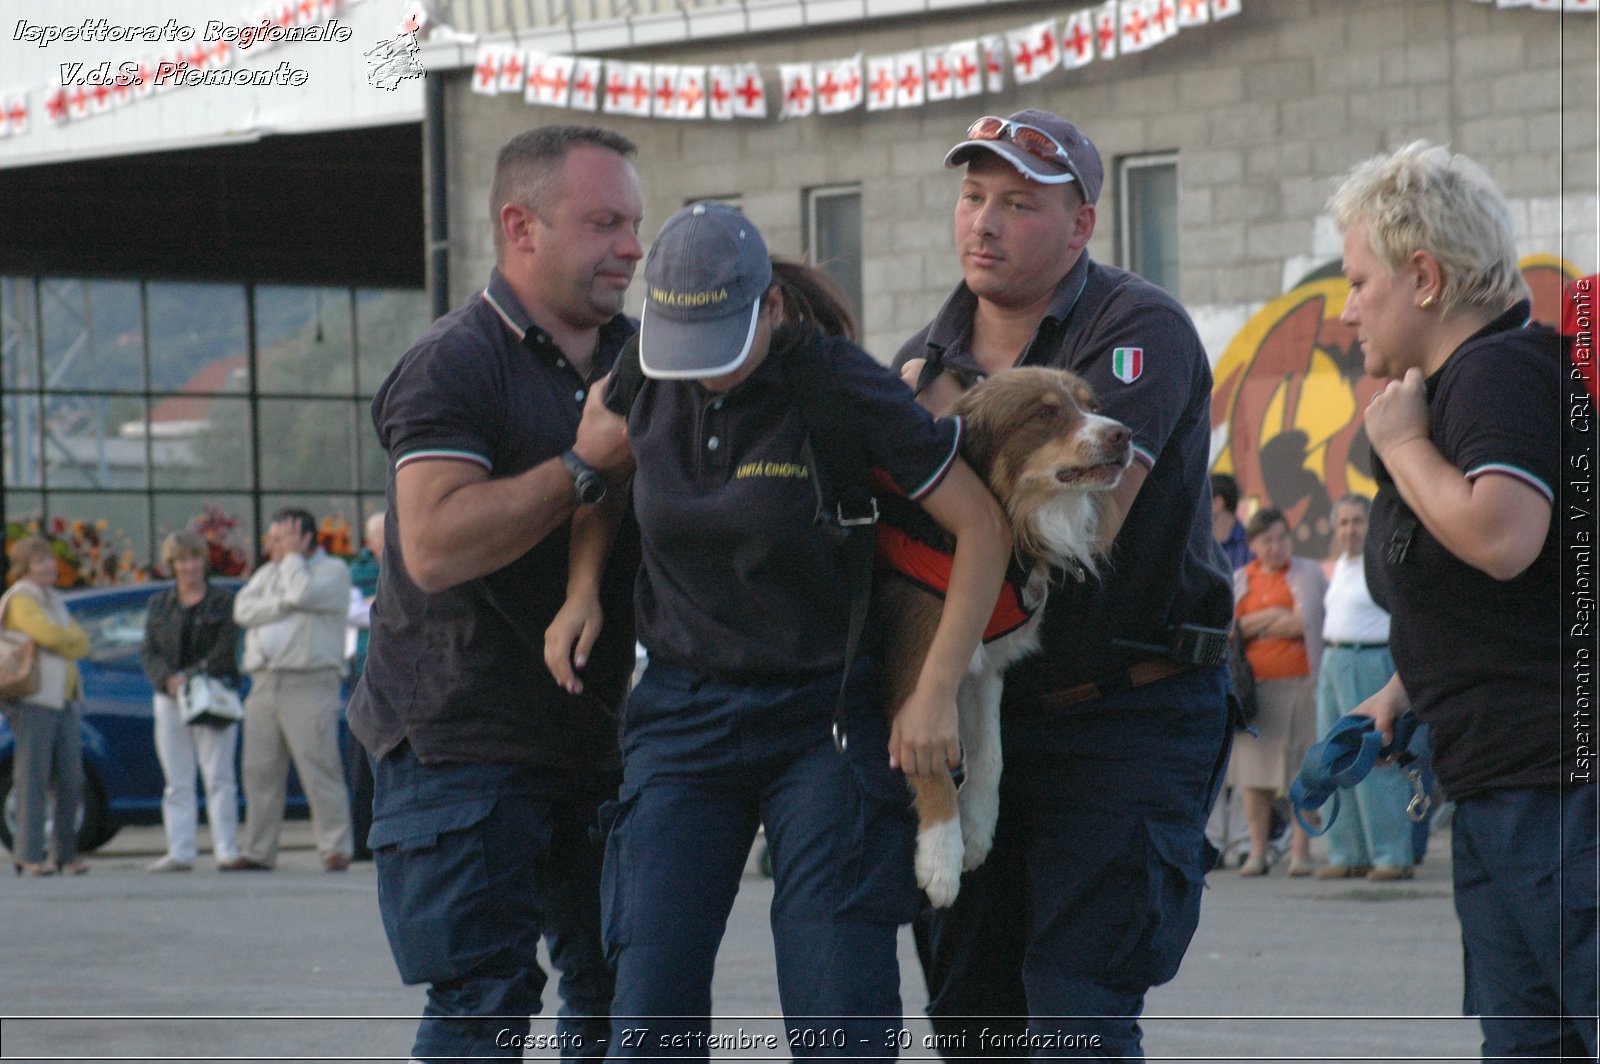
<point>880,878</point>
<point>1165,906</point>
<point>616,873</point>
<point>431,873</point>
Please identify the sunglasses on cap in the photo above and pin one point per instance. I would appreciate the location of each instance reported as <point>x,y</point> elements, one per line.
<point>1031,139</point>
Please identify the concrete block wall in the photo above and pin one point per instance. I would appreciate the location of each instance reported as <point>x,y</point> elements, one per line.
<point>1264,110</point>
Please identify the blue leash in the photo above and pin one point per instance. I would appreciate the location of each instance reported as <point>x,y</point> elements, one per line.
<point>1343,758</point>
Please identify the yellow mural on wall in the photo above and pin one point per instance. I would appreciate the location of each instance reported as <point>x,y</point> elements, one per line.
<point>1288,394</point>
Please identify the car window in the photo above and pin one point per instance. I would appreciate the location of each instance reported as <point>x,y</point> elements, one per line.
<point>115,633</point>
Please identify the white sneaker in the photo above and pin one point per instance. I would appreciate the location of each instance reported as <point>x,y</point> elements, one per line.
<point>169,863</point>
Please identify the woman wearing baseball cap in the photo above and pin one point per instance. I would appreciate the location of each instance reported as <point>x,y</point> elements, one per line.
<point>743,603</point>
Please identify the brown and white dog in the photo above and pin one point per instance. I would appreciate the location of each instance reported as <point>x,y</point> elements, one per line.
<point>1031,433</point>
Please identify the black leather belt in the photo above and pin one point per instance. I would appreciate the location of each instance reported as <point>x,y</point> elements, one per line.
<point>1330,644</point>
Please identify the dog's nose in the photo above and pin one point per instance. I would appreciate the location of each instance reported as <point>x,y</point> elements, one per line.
<point>1117,436</point>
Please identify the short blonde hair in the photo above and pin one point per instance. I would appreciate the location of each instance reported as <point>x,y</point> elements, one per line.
<point>182,544</point>
<point>23,553</point>
<point>1424,198</point>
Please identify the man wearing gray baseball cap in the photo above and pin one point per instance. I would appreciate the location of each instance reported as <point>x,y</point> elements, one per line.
<point>1115,734</point>
<point>743,602</point>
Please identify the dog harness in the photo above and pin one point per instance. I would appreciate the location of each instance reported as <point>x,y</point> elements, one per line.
<point>912,547</point>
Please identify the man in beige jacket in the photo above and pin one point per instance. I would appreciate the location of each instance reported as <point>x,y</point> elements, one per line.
<point>293,612</point>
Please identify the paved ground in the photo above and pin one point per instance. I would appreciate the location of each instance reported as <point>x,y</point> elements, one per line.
<point>293,965</point>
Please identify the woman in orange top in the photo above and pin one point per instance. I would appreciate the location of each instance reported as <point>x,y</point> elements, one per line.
<point>1278,606</point>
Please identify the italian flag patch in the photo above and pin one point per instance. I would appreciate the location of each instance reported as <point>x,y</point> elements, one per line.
<point>1127,363</point>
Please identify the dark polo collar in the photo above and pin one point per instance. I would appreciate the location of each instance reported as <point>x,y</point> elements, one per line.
<point>500,298</point>
<point>952,326</point>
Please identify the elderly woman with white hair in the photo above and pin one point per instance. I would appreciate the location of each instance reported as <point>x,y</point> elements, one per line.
<point>1470,437</point>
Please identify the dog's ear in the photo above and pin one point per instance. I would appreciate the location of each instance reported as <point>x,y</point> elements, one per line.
<point>979,409</point>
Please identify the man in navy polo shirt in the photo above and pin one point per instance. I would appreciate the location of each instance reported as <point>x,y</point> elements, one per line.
<point>1114,739</point>
<point>488,774</point>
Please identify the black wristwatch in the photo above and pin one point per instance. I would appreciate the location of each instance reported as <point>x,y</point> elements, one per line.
<point>588,486</point>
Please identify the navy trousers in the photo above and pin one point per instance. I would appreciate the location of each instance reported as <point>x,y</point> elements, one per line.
<point>475,862</point>
<point>705,762</point>
<point>1525,864</point>
<point>1092,891</point>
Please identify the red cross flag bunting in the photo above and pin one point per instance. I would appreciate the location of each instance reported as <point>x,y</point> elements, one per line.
<point>587,79</point>
<point>910,88</point>
<point>1590,6</point>
<point>880,82</point>
<point>994,61</point>
<point>799,89</point>
<point>1107,29</point>
<point>1193,13</point>
<point>1224,8</point>
<point>839,85</point>
<point>719,93</point>
<point>55,106</point>
<point>1033,51</point>
<point>692,92</point>
<point>749,91</point>
<point>549,79</point>
<point>1163,20</point>
<point>1136,30</point>
<point>941,80</point>
<point>1077,40</point>
<point>415,19</point>
<point>966,69</point>
<point>485,71</point>
<point>513,69</point>
<point>664,91</point>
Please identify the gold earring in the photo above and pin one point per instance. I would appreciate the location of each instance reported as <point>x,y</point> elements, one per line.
<point>1427,301</point>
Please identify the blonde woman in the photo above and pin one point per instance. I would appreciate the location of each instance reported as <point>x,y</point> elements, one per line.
<point>49,751</point>
<point>188,630</point>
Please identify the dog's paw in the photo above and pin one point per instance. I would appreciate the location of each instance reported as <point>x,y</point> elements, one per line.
<point>939,850</point>
<point>978,816</point>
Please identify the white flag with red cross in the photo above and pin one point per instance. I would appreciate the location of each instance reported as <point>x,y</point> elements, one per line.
<point>839,85</point>
<point>719,92</point>
<point>1107,29</point>
<point>1590,6</point>
<point>486,70</point>
<point>966,69</point>
<point>1033,51</point>
<point>55,106</point>
<point>995,57</point>
<point>940,79</point>
<point>513,69</point>
<point>1077,40</point>
<point>415,19</point>
<point>1163,20</point>
<point>910,82</point>
<point>799,89</point>
<point>664,90</point>
<point>880,85</point>
<point>1193,12</point>
<point>692,92</point>
<point>1137,32</point>
<point>1224,8</point>
<point>587,80</point>
<point>749,91</point>
<point>145,78</point>
<point>100,99</point>
<point>549,79</point>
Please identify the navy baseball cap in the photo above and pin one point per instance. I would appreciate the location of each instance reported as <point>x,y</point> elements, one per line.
<point>704,280</point>
<point>1063,154</point>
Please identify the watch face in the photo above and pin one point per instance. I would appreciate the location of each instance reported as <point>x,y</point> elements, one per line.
<point>590,487</point>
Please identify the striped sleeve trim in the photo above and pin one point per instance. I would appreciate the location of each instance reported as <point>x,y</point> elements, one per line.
<point>1516,473</point>
<point>440,453</point>
<point>944,467</point>
<point>1147,457</point>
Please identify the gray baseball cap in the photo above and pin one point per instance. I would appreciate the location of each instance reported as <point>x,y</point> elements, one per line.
<point>1081,164</point>
<point>704,280</point>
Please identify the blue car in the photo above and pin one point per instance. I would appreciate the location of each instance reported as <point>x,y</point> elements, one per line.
<point>122,781</point>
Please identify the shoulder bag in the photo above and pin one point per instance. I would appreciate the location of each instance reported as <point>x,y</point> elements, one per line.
<point>19,661</point>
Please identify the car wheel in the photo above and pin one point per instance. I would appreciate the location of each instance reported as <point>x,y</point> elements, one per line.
<point>94,825</point>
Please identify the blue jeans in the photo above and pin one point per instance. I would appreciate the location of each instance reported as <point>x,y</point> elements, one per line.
<point>1092,891</point>
<point>705,762</point>
<point>475,862</point>
<point>1372,827</point>
<point>1525,864</point>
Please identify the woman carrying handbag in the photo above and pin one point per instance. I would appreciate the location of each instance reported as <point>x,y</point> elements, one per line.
<point>189,632</point>
<point>49,750</point>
